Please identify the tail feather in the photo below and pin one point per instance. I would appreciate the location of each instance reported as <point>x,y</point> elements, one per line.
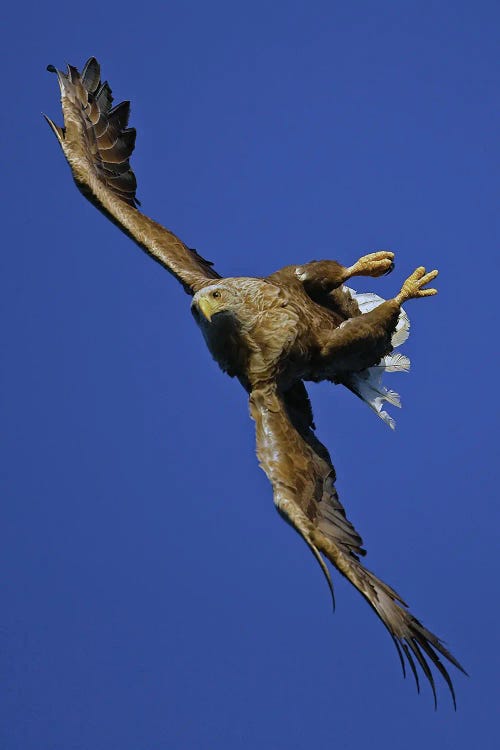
<point>368,383</point>
<point>395,362</point>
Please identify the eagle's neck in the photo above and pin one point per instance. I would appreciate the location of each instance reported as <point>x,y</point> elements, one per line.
<point>226,344</point>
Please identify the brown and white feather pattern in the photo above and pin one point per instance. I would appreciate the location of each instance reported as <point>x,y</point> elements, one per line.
<point>300,323</point>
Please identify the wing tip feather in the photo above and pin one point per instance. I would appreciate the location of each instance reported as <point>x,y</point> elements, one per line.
<point>56,129</point>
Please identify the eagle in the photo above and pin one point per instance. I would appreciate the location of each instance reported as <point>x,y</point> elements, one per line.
<point>301,323</point>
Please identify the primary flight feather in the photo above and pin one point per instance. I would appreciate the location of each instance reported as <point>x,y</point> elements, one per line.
<point>301,323</point>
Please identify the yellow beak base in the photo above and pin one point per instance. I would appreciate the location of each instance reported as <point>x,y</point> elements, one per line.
<point>206,308</point>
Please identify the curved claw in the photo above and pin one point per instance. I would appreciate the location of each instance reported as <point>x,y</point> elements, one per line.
<point>373,264</point>
<point>390,269</point>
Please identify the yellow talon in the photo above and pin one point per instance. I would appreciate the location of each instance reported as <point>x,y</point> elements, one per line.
<point>373,264</point>
<point>413,286</point>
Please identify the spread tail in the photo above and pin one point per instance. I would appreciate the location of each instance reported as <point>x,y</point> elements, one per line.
<point>368,383</point>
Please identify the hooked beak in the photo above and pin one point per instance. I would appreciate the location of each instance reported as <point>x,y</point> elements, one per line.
<point>206,308</point>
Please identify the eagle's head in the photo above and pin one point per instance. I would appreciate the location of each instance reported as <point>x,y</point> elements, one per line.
<point>214,301</point>
<point>221,313</point>
<point>241,299</point>
<point>227,312</point>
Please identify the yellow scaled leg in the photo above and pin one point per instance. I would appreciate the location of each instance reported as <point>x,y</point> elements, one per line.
<point>412,288</point>
<point>373,264</point>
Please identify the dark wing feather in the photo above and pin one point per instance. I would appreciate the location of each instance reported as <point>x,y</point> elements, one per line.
<point>98,143</point>
<point>301,473</point>
<point>323,505</point>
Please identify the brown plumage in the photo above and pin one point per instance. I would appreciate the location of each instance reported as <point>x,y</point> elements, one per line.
<point>301,323</point>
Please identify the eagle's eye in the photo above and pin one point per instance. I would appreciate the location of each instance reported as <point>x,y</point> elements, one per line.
<point>216,295</point>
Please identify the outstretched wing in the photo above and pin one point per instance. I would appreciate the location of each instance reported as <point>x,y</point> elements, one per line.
<point>316,487</point>
<point>301,473</point>
<point>97,144</point>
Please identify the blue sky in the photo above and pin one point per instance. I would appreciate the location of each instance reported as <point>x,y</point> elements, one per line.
<point>152,597</point>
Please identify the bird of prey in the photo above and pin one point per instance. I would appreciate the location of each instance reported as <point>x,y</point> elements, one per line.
<point>299,324</point>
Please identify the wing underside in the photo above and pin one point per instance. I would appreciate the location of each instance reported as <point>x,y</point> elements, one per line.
<point>98,143</point>
<point>301,473</point>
